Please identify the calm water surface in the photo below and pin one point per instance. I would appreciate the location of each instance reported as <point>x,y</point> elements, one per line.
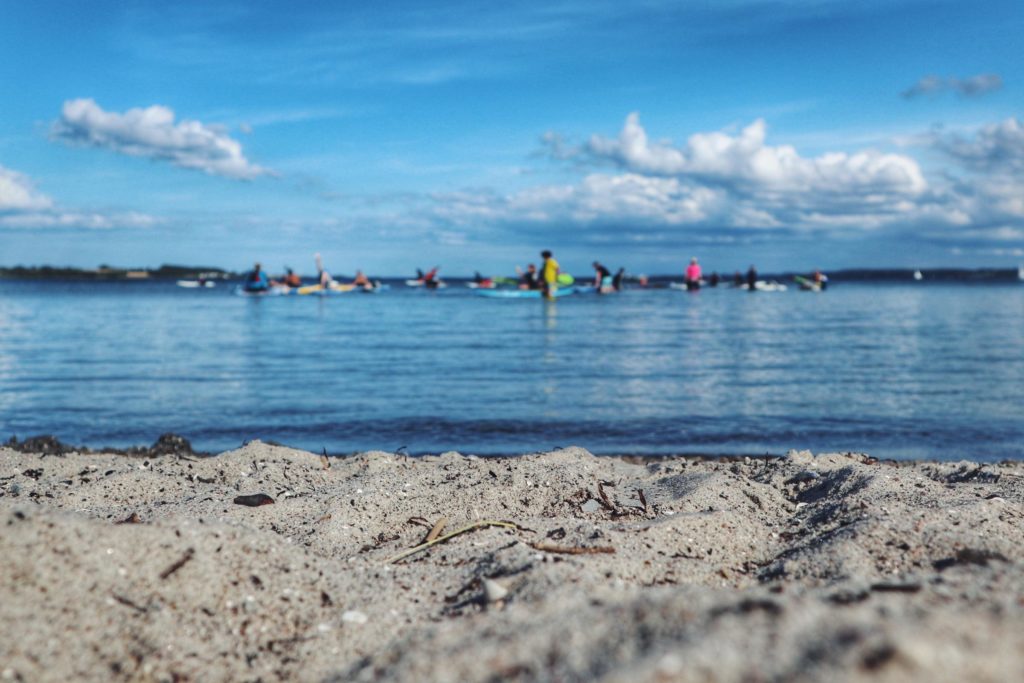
<point>893,370</point>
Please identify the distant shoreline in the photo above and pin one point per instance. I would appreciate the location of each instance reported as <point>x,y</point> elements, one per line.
<point>167,272</point>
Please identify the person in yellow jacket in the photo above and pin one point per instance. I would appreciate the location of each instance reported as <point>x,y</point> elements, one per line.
<point>550,270</point>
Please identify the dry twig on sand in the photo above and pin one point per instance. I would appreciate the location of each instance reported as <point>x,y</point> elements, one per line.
<point>441,539</point>
<point>436,530</point>
<point>179,564</point>
<point>573,550</point>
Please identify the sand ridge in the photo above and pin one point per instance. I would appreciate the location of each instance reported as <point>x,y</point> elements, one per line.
<point>829,567</point>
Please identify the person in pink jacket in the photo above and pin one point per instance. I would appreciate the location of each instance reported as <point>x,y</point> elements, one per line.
<point>693,275</point>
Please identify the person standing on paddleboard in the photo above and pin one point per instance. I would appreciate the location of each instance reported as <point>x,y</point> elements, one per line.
<point>693,275</point>
<point>550,274</point>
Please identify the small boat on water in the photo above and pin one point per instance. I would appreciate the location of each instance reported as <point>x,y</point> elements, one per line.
<point>196,284</point>
<point>918,276</point>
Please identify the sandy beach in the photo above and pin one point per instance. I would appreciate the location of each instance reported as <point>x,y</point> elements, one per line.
<point>573,568</point>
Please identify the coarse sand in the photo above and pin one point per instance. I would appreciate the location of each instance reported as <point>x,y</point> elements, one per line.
<point>803,568</point>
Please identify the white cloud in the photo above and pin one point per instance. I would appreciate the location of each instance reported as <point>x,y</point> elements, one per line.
<point>23,207</point>
<point>598,198</point>
<point>991,187</point>
<point>997,147</point>
<point>18,194</point>
<point>744,160</point>
<point>720,182</point>
<point>968,87</point>
<point>153,133</point>
<point>77,219</point>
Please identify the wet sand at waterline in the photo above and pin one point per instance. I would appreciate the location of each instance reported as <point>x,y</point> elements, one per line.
<point>569,567</point>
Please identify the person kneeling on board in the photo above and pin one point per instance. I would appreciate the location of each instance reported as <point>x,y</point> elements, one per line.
<point>528,279</point>
<point>256,281</point>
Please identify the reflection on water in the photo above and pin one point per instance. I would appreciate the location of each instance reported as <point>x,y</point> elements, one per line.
<point>896,371</point>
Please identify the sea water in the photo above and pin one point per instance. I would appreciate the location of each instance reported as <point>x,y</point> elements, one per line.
<point>896,370</point>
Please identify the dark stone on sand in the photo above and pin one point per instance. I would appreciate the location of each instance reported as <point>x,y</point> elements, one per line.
<point>976,556</point>
<point>254,500</point>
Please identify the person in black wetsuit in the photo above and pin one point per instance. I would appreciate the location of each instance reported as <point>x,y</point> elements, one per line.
<point>617,279</point>
<point>752,279</point>
<point>528,279</point>
<point>602,277</point>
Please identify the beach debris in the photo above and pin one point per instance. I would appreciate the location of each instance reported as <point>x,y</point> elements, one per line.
<point>127,602</point>
<point>436,530</point>
<point>603,497</point>
<point>353,616</point>
<point>33,473</point>
<point>494,592</point>
<point>887,587</point>
<point>43,445</point>
<point>254,500</point>
<point>325,463</point>
<point>131,519</point>
<point>573,550</point>
<point>178,564</point>
<point>441,539</point>
<point>978,556</point>
<point>170,444</point>
<point>643,499</point>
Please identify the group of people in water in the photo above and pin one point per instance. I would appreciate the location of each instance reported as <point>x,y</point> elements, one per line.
<point>694,278</point>
<point>257,280</point>
<point>545,279</point>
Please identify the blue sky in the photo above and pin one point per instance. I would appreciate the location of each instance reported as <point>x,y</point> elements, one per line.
<point>390,135</point>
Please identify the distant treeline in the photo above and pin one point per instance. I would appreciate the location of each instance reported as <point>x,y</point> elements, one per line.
<point>927,275</point>
<point>105,272</point>
<point>879,275</point>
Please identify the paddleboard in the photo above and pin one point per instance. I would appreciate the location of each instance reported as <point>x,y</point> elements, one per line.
<point>333,288</point>
<point>272,291</point>
<point>807,285</point>
<point>522,293</point>
<point>765,286</point>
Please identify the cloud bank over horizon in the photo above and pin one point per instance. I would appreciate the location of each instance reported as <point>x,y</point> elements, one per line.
<point>152,132</point>
<point>22,206</point>
<point>728,182</point>
<point>631,188</point>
